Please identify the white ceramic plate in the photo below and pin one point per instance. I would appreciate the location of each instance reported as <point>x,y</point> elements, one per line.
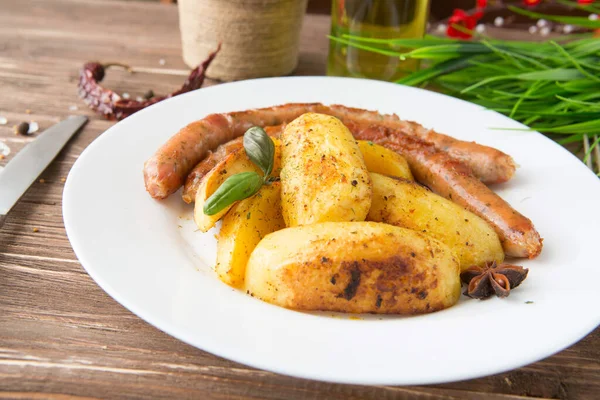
<point>146,255</point>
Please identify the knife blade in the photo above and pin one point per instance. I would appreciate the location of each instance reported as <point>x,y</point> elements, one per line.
<point>32,160</point>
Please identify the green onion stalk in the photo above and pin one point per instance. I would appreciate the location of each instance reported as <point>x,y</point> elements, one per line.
<point>553,87</point>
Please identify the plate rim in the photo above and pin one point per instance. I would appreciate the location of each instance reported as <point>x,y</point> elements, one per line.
<point>149,318</point>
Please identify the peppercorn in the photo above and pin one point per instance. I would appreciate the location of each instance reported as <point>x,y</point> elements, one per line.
<point>149,94</point>
<point>22,128</point>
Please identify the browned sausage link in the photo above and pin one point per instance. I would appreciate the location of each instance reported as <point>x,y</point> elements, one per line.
<point>213,158</point>
<point>490,165</point>
<point>165,172</point>
<point>453,180</point>
<point>487,163</point>
<point>194,178</point>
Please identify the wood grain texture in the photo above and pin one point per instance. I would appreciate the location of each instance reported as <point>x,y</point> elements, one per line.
<point>61,336</point>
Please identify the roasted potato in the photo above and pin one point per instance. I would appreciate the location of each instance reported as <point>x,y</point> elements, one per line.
<point>410,205</point>
<point>234,163</point>
<point>246,223</point>
<point>384,161</point>
<point>323,177</point>
<point>359,267</point>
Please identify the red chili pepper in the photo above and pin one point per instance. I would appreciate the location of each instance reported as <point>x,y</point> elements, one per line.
<point>481,4</point>
<point>113,106</point>
<point>462,19</point>
<point>585,1</point>
<point>532,2</point>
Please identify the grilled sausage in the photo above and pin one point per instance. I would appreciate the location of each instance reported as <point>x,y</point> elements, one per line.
<point>213,158</point>
<point>487,163</point>
<point>452,179</point>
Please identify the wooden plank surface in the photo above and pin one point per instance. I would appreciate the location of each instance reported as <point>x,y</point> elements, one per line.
<point>60,334</point>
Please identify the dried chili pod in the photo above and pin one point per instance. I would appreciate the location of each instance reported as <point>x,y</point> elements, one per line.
<point>112,105</point>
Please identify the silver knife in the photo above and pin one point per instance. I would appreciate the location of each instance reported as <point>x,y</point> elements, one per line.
<point>32,160</point>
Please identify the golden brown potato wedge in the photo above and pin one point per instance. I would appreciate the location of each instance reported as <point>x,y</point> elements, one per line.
<point>410,205</point>
<point>234,163</point>
<point>323,177</point>
<point>384,161</point>
<point>359,267</point>
<point>246,223</point>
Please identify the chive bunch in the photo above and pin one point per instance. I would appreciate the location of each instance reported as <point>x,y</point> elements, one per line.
<point>552,86</point>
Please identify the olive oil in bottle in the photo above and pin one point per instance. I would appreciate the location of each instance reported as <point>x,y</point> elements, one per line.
<point>383,19</point>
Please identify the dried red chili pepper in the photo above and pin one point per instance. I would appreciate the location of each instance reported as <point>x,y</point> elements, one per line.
<point>531,3</point>
<point>113,106</point>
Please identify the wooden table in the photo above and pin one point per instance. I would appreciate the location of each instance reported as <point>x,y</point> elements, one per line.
<point>60,334</point>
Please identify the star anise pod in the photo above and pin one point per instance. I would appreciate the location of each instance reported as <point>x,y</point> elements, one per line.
<point>492,279</point>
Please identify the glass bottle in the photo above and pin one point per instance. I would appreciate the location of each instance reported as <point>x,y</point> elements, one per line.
<point>382,19</point>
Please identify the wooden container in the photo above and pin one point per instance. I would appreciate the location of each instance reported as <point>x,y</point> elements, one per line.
<point>259,37</point>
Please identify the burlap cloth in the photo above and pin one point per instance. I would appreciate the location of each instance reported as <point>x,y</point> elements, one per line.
<point>260,37</point>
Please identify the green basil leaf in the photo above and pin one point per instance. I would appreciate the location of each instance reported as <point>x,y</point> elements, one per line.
<point>260,148</point>
<point>236,187</point>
